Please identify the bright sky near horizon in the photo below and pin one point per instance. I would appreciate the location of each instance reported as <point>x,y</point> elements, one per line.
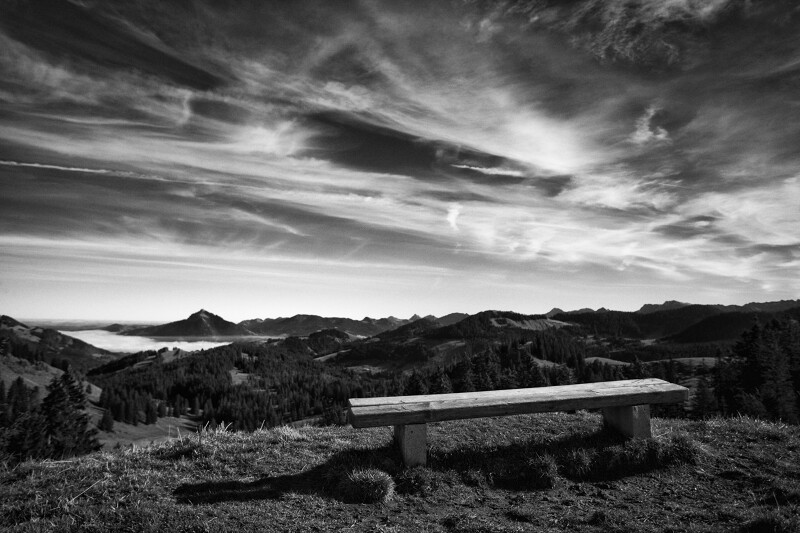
<point>373,158</point>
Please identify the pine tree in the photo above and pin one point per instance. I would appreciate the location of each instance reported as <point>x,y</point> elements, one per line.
<point>636,370</point>
<point>27,437</point>
<point>150,414</point>
<point>66,424</point>
<point>3,407</point>
<point>416,385</point>
<point>776,391</point>
<point>18,400</point>
<point>442,384</point>
<point>703,402</point>
<point>107,422</point>
<point>536,377</point>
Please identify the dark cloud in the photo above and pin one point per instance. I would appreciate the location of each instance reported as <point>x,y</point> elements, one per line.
<point>220,110</point>
<point>358,144</point>
<point>783,253</point>
<point>552,185</point>
<point>697,226</point>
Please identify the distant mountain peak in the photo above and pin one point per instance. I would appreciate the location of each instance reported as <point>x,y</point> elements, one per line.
<point>199,324</point>
<point>669,304</point>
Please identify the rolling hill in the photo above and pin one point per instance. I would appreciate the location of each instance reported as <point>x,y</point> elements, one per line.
<point>49,346</point>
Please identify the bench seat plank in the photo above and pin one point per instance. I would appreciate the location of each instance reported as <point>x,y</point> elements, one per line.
<point>399,410</point>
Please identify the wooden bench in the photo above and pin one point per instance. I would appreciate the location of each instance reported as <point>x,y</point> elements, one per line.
<point>625,405</point>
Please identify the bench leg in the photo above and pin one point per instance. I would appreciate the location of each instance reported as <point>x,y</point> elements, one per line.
<point>630,420</point>
<point>413,442</point>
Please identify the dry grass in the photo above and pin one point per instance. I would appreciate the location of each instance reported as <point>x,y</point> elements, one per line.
<point>554,472</point>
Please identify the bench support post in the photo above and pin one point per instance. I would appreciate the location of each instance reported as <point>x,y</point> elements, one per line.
<point>413,442</point>
<point>630,420</point>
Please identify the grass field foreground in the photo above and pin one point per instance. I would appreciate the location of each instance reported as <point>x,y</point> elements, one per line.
<point>549,472</point>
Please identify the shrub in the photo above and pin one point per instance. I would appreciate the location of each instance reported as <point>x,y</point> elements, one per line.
<point>368,485</point>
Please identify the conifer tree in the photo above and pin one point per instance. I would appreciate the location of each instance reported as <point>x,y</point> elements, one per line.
<point>442,383</point>
<point>416,385</point>
<point>66,424</point>
<point>150,414</point>
<point>3,406</point>
<point>776,391</point>
<point>703,402</point>
<point>106,422</point>
<point>536,376</point>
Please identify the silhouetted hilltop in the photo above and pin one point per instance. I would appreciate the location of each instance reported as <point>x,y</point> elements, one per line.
<point>669,320</point>
<point>302,325</point>
<point>668,305</point>
<point>200,324</point>
<point>44,340</point>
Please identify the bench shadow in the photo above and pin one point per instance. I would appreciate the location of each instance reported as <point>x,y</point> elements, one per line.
<point>601,455</point>
<point>321,480</point>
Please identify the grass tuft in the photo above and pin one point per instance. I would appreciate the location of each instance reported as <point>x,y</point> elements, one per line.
<point>541,472</point>
<point>678,448</point>
<point>367,485</point>
<point>418,481</point>
<point>287,434</point>
<point>579,463</point>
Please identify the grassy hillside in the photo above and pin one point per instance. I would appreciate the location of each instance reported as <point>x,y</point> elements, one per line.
<point>38,374</point>
<point>552,472</point>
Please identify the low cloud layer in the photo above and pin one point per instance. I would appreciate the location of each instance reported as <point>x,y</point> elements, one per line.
<point>275,158</point>
<point>129,344</point>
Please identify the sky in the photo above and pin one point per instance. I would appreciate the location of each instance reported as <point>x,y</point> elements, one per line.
<point>264,159</point>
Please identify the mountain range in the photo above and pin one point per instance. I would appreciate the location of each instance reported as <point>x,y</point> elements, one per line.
<point>677,322</point>
<point>206,324</point>
<point>672,320</point>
